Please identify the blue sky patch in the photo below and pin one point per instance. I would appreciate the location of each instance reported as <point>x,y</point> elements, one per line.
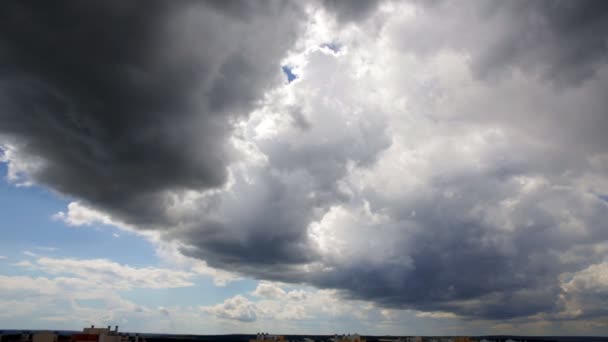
<point>27,225</point>
<point>287,70</point>
<point>335,47</point>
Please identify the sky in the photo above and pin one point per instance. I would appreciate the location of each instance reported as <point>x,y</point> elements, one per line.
<point>312,167</point>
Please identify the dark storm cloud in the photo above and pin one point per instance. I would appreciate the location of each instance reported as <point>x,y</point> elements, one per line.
<point>264,227</point>
<point>565,40</point>
<point>123,100</point>
<point>350,11</point>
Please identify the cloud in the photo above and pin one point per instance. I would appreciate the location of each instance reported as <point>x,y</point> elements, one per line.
<point>178,74</point>
<point>46,248</point>
<point>584,292</point>
<point>118,276</point>
<point>454,154</point>
<point>3,257</point>
<point>236,308</point>
<point>24,263</point>
<point>78,214</point>
<point>557,40</point>
<point>467,211</point>
<point>273,291</point>
<point>60,302</point>
<point>61,296</point>
<point>268,291</point>
<point>265,226</point>
<point>347,11</point>
<point>39,285</point>
<point>164,311</point>
<point>72,282</point>
<point>276,303</point>
<point>169,253</point>
<point>437,314</point>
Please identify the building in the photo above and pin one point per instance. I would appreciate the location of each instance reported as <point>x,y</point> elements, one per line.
<point>44,336</point>
<point>85,338</point>
<point>33,336</point>
<point>110,338</point>
<point>461,339</point>
<point>93,334</point>
<point>9,337</point>
<point>348,338</point>
<point>265,337</point>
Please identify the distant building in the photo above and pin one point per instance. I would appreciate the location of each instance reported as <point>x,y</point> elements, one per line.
<point>95,331</point>
<point>10,337</point>
<point>110,338</point>
<point>85,338</point>
<point>93,334</point>
<point>461,339</point>
<point>33,336</point>
<point>413,339</point>
<point>348,338</point>
<point>44,336</point>
<point>265,337</point>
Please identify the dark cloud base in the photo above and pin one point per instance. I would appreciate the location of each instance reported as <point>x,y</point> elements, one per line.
<point>125,100</point>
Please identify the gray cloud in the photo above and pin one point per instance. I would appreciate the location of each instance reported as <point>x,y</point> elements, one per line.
<point>561,41</point>
<point>471,186</point>
<point>566,41</point>
<point>263,229</point>
<point>123,101</point>
<point>349,11</point>
<point>456,255</point>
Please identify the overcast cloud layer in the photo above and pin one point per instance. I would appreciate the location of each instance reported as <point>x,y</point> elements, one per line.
<point>445,157</point>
